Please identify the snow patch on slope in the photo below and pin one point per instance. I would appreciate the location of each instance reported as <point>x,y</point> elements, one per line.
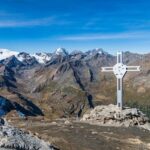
<point>42,57</point>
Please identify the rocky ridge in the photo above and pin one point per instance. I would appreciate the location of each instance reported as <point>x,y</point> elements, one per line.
<point>111,115</point>
<point>12,138</point>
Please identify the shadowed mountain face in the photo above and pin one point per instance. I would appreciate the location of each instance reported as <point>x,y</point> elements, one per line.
<point>24,108</point>
<point>68,84</point>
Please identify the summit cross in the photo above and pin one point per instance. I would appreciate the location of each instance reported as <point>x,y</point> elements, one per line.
<point>120,70</point>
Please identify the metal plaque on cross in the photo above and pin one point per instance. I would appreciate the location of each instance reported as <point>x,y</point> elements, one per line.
<point>120,70</point>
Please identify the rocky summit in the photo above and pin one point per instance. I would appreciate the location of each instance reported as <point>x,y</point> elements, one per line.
<point>15,139</point>
<point>111,115</point>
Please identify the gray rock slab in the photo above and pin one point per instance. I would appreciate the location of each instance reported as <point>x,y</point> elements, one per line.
<point>12,138</point>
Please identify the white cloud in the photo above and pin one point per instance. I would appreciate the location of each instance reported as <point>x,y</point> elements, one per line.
<point>123,35</point>
<point>34,22</point>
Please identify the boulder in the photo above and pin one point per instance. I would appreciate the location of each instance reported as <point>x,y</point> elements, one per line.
<point>15,139</point>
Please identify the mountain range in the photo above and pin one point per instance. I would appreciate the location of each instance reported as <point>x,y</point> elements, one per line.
<point>62,84</point>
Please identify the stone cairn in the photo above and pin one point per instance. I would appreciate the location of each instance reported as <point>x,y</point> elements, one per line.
<point>111,115</point>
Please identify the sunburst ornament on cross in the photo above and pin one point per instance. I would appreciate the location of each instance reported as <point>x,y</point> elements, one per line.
<point>120,70</point>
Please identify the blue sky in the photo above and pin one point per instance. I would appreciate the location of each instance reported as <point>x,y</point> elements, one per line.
<point>44,25</point>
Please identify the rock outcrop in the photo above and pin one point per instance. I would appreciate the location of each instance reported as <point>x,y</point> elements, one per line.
<point>12,138</point>
<point>111,115</point>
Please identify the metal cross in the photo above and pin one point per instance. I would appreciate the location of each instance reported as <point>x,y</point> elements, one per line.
<point>120,70</point>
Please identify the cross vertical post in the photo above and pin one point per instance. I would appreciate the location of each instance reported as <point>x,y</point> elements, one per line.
<point>120,70</point>
<point>119,57</point>
<point>119,93</point>
<point>119,80</point>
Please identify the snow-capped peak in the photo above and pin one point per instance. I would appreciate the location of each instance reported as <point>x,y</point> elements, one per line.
<point>5,53</point>
<point>21,56</point>
<point>97,51</point>
<point>101,51</point>
<point>42,57</point>
<point>61,51</point>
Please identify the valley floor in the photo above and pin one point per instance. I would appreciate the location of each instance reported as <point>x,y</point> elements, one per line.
<point>74,135</point>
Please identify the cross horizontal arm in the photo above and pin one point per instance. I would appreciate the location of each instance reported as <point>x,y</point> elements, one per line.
<point>107,69</point>
<point>133,68</point>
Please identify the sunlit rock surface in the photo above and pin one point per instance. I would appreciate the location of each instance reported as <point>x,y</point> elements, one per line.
<point>15,139</point>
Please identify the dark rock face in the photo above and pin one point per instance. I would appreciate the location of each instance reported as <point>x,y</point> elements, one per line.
<point>15,139</point>
<point>7,105</point>
<point>11,62</point>
<point>2,122</point>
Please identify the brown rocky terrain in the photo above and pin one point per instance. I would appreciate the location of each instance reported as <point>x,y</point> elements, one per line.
<point>33,96</point>
<point>72,134</point>
<point>67,85</point>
